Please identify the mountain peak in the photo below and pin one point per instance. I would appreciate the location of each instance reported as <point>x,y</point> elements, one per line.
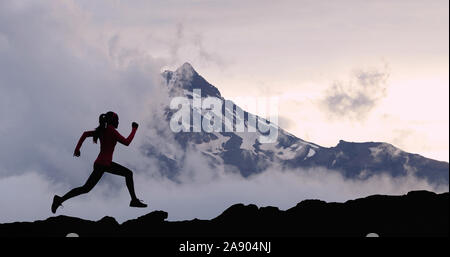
<point>185,77</point>
<point>186,68</point>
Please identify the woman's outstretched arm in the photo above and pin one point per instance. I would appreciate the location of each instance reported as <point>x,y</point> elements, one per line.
<point>80,142</point>
<point>127,141</point>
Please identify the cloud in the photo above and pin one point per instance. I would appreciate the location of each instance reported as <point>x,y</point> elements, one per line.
<point>188,44</point>
<point>356,98</point>
<point>54,83</point>
<point>204,194</point>
<point>176,43</point>
<point>207,57</point>
<point>286,122</point>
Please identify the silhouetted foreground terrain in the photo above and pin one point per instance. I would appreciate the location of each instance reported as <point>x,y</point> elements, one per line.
<point>419,213</point>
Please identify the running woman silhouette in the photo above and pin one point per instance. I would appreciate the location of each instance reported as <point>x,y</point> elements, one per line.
<point>108,135</point>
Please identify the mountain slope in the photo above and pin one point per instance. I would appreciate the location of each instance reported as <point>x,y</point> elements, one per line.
<point>244,151</point>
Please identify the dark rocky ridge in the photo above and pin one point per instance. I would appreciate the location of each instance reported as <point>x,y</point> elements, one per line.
<point>419,213</point>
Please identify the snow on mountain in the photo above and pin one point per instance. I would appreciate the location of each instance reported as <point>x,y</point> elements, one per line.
<point>244,151</point>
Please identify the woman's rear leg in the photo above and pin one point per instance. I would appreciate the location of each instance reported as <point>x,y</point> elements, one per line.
<point>90,183</point>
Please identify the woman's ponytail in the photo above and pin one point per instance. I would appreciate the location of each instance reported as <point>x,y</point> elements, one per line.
<point>105,119</point>
<point>102,125</point>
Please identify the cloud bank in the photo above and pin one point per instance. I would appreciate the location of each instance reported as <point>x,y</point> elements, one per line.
<point>54,84</point>
<point>204,195</point>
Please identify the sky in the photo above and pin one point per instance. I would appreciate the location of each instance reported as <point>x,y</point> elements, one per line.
<point>351,70</point>
<point>299,51</point>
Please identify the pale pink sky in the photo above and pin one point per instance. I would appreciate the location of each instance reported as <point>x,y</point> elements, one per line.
<point>297,50</point>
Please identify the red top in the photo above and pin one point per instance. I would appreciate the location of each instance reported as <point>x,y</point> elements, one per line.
<point>108,141</point>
